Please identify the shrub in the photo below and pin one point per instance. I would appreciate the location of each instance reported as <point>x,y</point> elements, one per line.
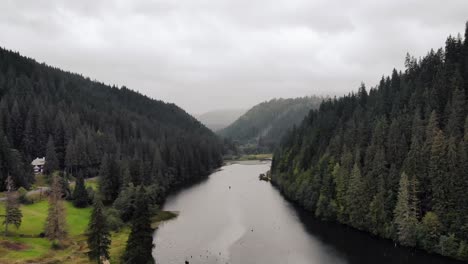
<point>112,216</point>
<point>23,196</point>
<point>448,245</point>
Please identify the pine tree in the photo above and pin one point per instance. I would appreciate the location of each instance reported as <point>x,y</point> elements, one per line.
<point>438,168</point>
<point>52,163</point>
<point>356,199</point>
<point>99,238</point>
<point>140,241</point>
<point>13,213</point>
<point>377,213</point>
<point>109,182</point>
<point>80,194</point>
<point>55,228</point>
<point>405,214</point>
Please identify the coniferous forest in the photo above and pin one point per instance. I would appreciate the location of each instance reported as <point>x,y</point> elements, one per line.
<point>391,160</point>
<point>85,128</point>
<point>261,128</point>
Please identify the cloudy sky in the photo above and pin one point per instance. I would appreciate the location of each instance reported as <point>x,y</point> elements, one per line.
<point>216,54</point>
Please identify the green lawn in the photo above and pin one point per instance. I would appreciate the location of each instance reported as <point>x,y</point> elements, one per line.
<point>34,217</point>
<point>256,157</point>
<point>38,250</point>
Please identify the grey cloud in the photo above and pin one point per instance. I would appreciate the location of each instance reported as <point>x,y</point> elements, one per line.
<point>211,54</point>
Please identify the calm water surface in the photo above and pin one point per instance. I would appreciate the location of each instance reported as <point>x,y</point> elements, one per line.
<point>252,223</point>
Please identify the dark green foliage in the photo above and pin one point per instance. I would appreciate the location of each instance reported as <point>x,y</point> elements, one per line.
<point>429,232</point>
<point>80,194</point>
<point>13,214</point>
<point>140,241</point>
<point>99,238</point>
<point>260,128</point>
<point>75,122</point>
<point>406,211</point>
<point>400,153</point>
<point>448,245</point>
<point>52,163</point>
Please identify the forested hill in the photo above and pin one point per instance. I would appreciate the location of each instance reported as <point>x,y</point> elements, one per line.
<point>265,123</point>
<point>88,128</point>
<point>391,161</point>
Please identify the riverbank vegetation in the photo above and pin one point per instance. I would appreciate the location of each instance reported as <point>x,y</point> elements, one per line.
<point>392,161</point>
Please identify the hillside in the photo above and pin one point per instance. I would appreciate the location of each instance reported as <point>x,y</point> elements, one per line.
<point>392,161</point>
<point>81,126</point>
<point>264,124</point>
<point>219,119</point>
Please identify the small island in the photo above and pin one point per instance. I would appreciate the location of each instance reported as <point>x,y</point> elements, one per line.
<point>265,176</point>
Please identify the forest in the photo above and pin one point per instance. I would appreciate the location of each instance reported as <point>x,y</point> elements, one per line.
<point>85,128</point>
<point>391,160</point>
<point>260,129</point>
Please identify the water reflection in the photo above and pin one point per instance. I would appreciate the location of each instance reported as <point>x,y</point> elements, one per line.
<point>234,218</point>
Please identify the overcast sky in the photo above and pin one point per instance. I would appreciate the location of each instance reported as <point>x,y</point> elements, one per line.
<point>216,54</point>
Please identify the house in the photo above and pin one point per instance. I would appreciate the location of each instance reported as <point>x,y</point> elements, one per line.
<point>38,165</point>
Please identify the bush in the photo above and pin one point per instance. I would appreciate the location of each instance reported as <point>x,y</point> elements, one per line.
<point>463,251</point>
<point>57,245</point>
<point>114,222</point>
<point>124,203</point>
<point>91,194</point>
<point>23,196</point>
<point>428,232</point>
<point>448,246</point>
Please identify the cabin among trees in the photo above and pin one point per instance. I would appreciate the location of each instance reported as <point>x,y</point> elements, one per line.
<point>38,165</point>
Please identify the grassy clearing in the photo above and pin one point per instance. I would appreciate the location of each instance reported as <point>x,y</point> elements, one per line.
<point>256,157</point>
<point>33,249</point>
<point>36,249</point>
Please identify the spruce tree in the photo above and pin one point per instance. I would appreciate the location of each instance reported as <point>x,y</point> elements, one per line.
<point>80,194</point>
<point>140,241</point>
<point>440,184</point>
<point>13,213</point>
<point>99,238</point>
<point>405,214</point>
<point>109,182</point>
<point>52,162</point>
<point>356,199</point>
<point>55,228</point>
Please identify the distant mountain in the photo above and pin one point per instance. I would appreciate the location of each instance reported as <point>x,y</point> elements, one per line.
<point>263,125</point>
<point>219,119</point>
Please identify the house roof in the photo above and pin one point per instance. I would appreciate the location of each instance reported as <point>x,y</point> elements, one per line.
<point>38,161</point>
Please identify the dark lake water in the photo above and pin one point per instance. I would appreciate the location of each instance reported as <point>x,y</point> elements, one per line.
<point>252,223</point>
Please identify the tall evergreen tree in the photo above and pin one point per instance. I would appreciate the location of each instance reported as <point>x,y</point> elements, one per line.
<point>80,194</point>
<point>52,163</point>
<point>13,213</point>
<point>356,199</point>
<point>406,216</point>
<point>140,241</point>
<point>55,228</point>
<point>99,238</point>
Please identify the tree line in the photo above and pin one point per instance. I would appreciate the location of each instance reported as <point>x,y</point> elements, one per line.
<point>393,160</point>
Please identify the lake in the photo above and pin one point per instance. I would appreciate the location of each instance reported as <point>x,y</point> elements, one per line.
<point>232,217</point>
